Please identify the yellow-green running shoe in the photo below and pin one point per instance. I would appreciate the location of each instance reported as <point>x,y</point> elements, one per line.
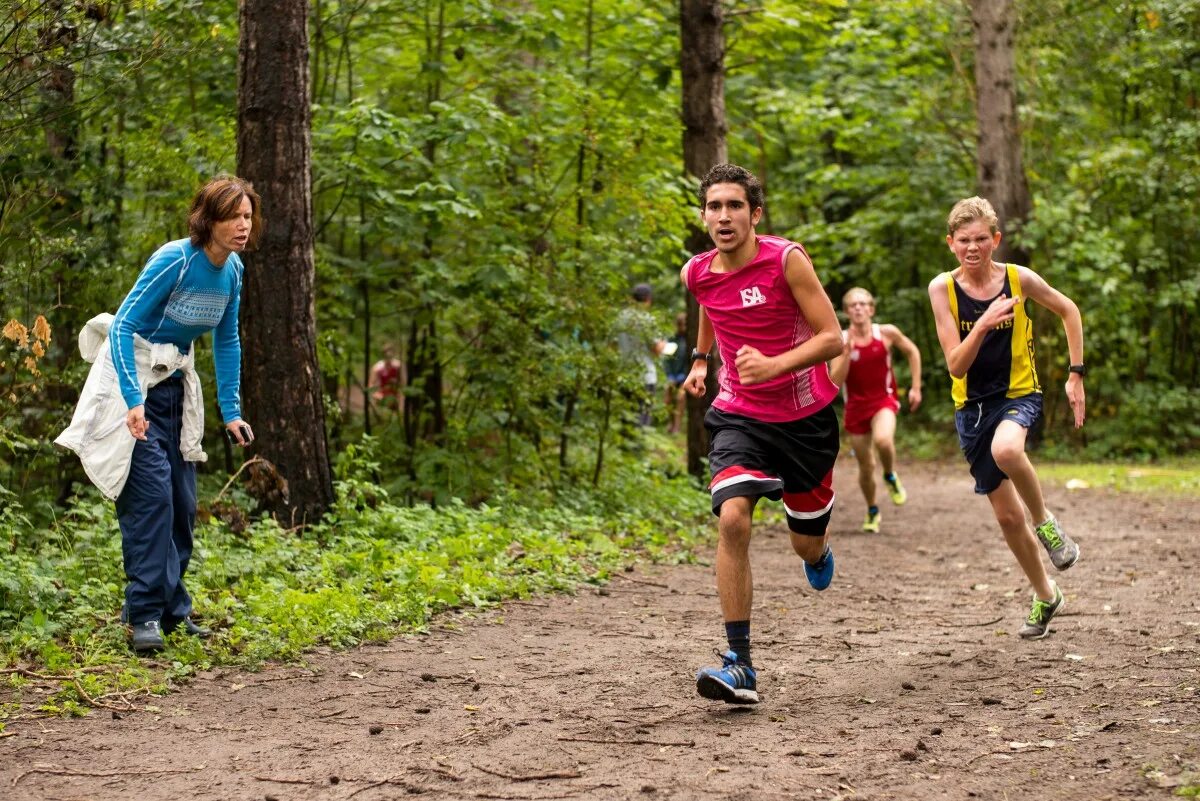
<point>871,524</point>
<point>1062,549</point>
<point>895,489</point>
<point>1037,625</point>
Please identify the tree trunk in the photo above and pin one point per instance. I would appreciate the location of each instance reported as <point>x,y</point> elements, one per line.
<point>281,380</point>
<point>702,70</point>
<point>999,172</point>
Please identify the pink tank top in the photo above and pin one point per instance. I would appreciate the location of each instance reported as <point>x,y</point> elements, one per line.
<point>754,306</point>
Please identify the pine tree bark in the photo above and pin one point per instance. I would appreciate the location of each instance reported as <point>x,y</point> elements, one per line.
<point>1000,173</point>
<point>702,72</point>
<point>281,382</point>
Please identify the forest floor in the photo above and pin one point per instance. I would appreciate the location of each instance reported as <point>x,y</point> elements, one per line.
<point>904,680</point>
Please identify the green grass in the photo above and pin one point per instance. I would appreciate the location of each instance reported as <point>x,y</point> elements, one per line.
<point>371,571</point>
<point>1176,477</point>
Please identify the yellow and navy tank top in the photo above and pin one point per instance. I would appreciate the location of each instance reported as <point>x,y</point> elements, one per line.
<point>1005,365</point>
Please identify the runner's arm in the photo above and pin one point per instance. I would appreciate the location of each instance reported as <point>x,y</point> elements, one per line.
<point>754,367</point>
<point>1039,290</point>
<point>698,372</point>
<point>839,366</point>
<point>960,354</point>
<point>893,336</point>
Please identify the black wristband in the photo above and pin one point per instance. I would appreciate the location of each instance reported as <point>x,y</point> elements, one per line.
<point>1077,368</point>
<point>698,354</point>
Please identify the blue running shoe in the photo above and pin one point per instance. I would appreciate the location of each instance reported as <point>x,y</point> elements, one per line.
<point>820,574</point>
<point>734,682</point>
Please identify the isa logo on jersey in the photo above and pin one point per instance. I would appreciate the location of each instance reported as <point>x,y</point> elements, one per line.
<point>753,297</point>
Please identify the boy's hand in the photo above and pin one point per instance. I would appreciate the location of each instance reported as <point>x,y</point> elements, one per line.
<point>754,368</point>
<point>694,383</point>
<point>1075,396</point>
<point>998,313</point>
<point>914,398</point>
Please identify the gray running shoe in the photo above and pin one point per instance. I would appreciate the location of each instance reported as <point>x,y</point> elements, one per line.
<point>1037,625</point>
<point>1062,549</point>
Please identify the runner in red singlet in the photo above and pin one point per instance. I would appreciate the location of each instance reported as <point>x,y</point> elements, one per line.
<point>865,370</point>
<point>387,380</point>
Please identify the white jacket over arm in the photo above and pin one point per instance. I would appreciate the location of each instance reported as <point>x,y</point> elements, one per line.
<point>98,433</point>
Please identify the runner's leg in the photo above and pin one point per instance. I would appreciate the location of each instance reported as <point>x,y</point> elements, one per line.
<point>1008,449</point>
<point>1010,514</point>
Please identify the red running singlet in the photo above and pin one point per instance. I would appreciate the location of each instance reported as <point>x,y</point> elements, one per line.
<point>870,383</point>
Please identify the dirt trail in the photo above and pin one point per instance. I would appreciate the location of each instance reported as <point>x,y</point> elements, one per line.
<point>904,680</point>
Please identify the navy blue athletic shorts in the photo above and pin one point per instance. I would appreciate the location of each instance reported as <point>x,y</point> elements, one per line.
<point>791,461</point>
<point>976,423</point>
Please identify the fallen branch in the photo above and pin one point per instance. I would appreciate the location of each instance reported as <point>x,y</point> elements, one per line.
<point>641,581</point>
<point>604,741</point>
<point>414,789</point>
<point>129,707</point>
<point>967,625</point>
<point>233,478</point>
<point>104,774</point>
<point>530,777</point>
<point>284,781</point>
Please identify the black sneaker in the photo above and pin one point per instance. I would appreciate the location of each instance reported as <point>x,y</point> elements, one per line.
<point>147,637</point>
<point>1037,625</point>
<point>188,627</point>
<point>192,629</point>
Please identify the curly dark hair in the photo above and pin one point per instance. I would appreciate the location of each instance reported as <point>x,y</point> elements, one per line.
<point>733,174</point>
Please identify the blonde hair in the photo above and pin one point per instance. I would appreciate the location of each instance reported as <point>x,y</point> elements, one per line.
<point>968,211</point>
<point>858,290</point>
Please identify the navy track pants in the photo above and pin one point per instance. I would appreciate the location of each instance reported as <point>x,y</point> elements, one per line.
<point>157,511</point>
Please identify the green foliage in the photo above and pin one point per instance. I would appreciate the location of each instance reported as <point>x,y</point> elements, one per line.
<point>371,569</point>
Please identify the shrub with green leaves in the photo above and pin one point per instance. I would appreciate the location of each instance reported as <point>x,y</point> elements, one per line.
<point>370,570</point>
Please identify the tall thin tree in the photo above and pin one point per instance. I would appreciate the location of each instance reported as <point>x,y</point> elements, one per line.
<point>1000,173</point>
<point>702,72</point>
<point>281,380</point>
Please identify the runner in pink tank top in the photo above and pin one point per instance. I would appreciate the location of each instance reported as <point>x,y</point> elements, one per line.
<point>754,306</point>
<point>865,368</point>
<point>772,430</point>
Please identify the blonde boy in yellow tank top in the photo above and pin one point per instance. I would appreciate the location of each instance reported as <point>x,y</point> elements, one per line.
<point>987,338</point>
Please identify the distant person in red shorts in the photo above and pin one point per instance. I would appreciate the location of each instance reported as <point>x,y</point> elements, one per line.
<point>865,371</point>
<point>387,380</point>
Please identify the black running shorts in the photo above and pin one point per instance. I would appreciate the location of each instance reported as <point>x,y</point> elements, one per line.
<point>791,461</point>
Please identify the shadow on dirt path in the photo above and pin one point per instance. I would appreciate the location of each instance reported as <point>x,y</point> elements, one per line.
<point>904,680</point>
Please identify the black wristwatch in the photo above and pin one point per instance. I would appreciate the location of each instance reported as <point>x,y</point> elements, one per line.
<point>1077,368</point>
<point>698,355</point>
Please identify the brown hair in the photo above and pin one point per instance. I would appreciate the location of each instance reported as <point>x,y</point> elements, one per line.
<point>219,201</point>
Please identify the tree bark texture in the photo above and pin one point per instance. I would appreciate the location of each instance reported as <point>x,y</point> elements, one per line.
<point>1000,174</point>
<point>702,72</point>
<point>281,382</point>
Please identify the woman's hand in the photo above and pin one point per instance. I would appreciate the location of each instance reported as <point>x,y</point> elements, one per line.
<point>135,421</point>
<point>239,432</point>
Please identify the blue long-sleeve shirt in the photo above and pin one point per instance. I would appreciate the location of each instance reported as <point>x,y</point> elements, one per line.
<point>180,295</point>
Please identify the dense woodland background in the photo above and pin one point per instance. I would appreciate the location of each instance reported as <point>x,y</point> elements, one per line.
<point>490,178</point>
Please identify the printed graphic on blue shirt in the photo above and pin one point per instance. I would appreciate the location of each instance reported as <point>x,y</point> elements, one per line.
<point>197,307</point>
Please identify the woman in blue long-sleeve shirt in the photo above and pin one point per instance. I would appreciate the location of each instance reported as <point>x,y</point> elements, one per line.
<point>188,287</point>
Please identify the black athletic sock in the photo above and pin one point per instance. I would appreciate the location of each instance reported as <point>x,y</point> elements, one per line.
<point>889,477</point>
<point>872,510</point>
<point>738,634</point>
